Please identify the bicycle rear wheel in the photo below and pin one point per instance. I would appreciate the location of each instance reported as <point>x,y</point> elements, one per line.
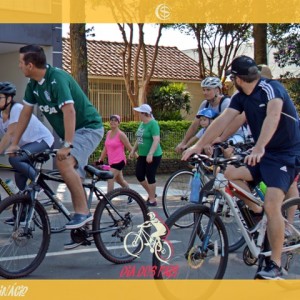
<point>21,250</point>
<point>291,260</point>
<point>114,220</point>
<point>176,194</point>
<point>195,254</point>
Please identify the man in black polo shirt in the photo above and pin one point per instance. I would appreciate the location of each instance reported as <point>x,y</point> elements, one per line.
<point>274,125</point>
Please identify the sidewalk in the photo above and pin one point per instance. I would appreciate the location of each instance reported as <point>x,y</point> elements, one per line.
<point>64,194</point>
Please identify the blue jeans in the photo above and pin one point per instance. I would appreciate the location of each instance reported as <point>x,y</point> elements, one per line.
<point>23,165</point>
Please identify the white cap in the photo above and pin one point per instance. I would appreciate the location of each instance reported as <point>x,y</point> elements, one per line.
<point>144,108</point>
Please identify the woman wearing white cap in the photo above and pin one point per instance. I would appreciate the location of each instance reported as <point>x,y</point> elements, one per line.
<point>149,150</point>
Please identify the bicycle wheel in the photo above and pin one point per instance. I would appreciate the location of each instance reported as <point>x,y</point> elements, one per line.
<point>163,251</point>
<point>114,220</point>
<point>56,217</point>
<point>21,250</point>
<point>235,237</point>
<point>131,241</point>
<point>195,255</point>
<point>291,260</point>
<point>176,194</point>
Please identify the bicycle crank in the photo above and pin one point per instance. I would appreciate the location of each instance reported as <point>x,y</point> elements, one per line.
<point>248,258</point>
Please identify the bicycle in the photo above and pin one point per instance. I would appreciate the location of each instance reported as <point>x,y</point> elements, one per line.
<point>177,189</point>
<point>201,250</point>
<point>24,244</point>
<point>161,251</point>
<point>56,218</point>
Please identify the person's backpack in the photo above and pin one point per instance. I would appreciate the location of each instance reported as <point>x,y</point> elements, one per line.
<point>220,104</point>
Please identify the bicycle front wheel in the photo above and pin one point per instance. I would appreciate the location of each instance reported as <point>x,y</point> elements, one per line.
<point>23,245</point>
<point>116,218</point>
<point>290,260</point>
<point>199,251</point>
<point>176,194</point>
<point>56,217</point>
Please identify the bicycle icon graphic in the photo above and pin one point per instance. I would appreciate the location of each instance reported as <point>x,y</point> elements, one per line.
<point>142,238</point>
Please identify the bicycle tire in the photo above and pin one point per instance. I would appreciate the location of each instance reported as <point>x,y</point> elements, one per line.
<point>176,193</point>
<point>212,264</point>
<point>111,229</point>
<point>134,237</point>
<point>20,252</point>
<point>291,211</point>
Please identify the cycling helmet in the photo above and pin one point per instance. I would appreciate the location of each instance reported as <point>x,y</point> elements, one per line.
<point>207,112</point>
<point>211,82</point>
<point>7,88</point>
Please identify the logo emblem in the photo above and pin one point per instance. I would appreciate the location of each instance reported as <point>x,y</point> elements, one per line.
<point>134,242</point>
<point>162,12</point>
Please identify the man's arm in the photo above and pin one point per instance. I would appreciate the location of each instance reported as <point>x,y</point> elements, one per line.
<point>188,135</point>
<point>214,130</point>
<point>69,121</point>
<point>268,129</point>
<point>232,128</point>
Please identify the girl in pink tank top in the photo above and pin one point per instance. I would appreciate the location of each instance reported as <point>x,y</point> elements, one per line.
<point>114,148</point>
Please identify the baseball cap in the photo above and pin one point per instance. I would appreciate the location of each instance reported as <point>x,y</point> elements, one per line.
<point>242,65</point>
<point>115,116</point>
<point>265,71</point>
<point>144,108</point>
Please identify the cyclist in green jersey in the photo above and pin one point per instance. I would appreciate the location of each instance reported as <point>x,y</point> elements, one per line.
<point>70,113</point>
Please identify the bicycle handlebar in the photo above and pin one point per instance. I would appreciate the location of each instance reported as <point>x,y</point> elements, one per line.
<point>42,156</point>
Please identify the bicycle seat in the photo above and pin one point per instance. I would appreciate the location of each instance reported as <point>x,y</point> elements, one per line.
<point>102,175</point>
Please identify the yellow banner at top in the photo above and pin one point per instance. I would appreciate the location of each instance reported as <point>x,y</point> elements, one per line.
<point>146,11</point>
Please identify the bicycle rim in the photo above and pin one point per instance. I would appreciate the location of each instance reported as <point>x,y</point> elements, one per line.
<point>190,258</point>
<point>20,252</point>
<point>176,194</point>
<point>112,227</point>
<point>291,211</point>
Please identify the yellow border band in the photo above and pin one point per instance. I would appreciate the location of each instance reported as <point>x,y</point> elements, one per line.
<point>145,11</point>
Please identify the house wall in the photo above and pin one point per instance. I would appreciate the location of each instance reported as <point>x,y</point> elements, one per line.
<point>197,97</point>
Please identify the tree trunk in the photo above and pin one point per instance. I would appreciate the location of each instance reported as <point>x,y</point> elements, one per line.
<point>260,43</point>
<point>79,55</point>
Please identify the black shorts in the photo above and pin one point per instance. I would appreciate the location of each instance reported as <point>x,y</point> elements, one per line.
<point>276,171</point>
<point>119,166</point>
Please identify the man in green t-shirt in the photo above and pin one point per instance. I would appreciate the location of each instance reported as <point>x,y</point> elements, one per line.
<point>71,114</point>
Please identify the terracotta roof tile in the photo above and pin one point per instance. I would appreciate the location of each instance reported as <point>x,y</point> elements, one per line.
<point>105,60</point>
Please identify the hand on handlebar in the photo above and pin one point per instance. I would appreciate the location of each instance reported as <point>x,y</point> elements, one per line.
<point>11,150</point>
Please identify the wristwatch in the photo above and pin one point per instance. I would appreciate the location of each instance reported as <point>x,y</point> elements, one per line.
<point>67,145</point>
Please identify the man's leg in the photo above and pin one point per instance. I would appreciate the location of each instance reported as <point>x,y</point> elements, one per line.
<point>241,176</point>
<point>275,225</point>
<point>73,181</point>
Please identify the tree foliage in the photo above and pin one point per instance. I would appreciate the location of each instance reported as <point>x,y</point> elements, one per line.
<point>217,44</point>
<point>168,99</point>
<point>286,39</point>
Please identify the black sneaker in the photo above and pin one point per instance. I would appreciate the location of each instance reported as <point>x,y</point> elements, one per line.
<point>72,245</point>
<point>130,200</point>
<point>271,272</point>
<point>10,221</point>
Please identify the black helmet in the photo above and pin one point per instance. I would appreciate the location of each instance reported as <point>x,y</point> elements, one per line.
<point>7,88</point>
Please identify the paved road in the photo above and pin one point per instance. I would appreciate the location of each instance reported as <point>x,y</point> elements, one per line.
<point>85,262</point>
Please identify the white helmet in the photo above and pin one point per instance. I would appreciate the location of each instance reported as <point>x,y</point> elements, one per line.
<point>211,82</point>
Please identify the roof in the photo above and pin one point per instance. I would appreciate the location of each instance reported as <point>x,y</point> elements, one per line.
<point>105,60</point>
